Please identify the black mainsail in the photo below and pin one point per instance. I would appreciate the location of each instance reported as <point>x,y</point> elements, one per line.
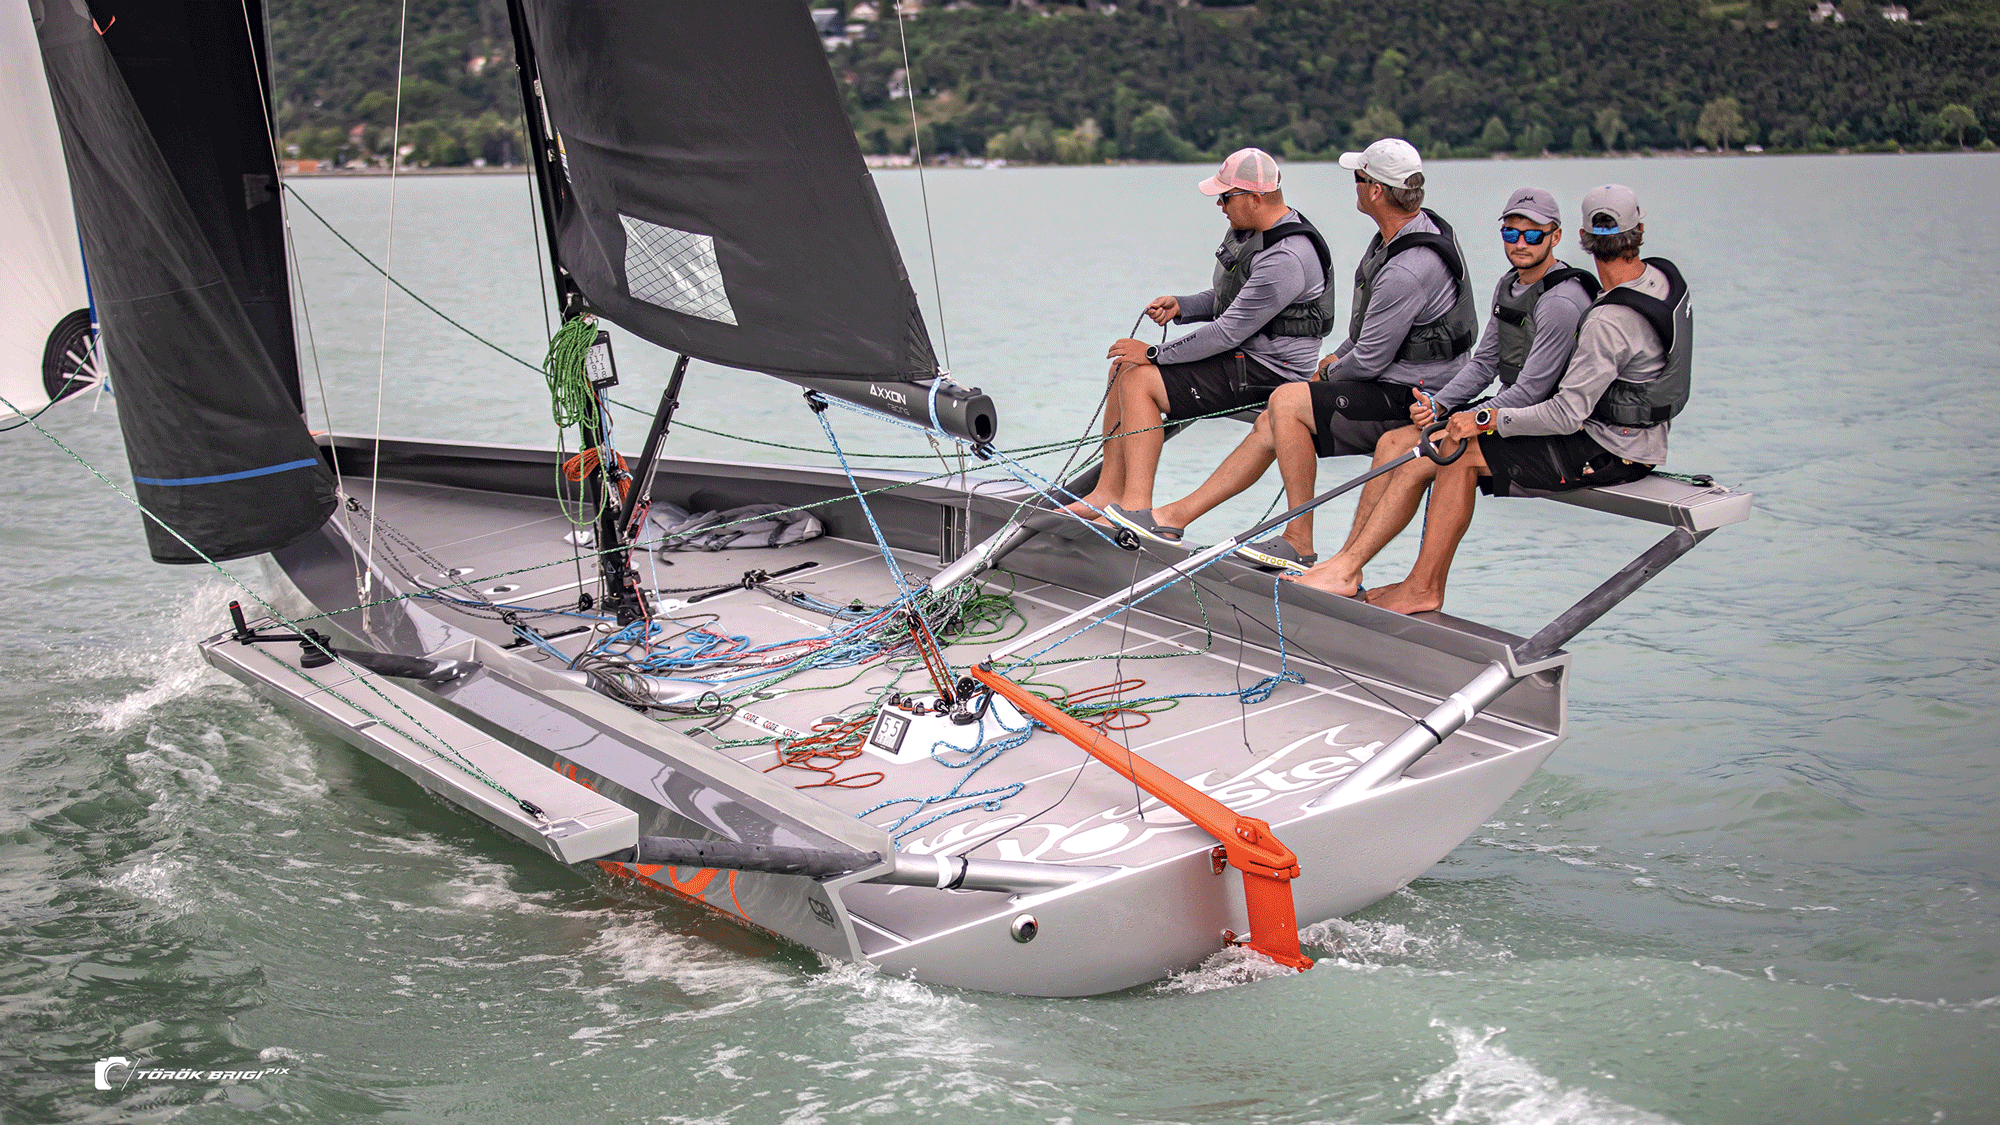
<point>166,136</point>
<point>706,193</point>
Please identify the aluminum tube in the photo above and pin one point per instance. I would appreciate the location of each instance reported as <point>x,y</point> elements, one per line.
<point>988,553</point>
<point>1174,573</point>
<point>950,872</point>
<point>1424,736</point>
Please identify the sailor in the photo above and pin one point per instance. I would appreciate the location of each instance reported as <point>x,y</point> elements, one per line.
<point>1261,320</point>
<point>1414,318</point>
<point>1605,424</point>
<point>1537,306</point>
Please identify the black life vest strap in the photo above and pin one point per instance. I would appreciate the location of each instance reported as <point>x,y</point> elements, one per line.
<point>1658,313</point>
<point>1282,231</point>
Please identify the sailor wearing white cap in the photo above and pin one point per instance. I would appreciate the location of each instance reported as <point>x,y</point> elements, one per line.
<point>1606,422</point>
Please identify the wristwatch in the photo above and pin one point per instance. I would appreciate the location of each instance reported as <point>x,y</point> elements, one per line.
<point>1483,418</point>
<point>1152,353</point>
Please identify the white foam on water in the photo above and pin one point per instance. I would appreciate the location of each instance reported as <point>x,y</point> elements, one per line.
<point>1370,942</point>
<point>1227,968</point>
<point>1490,1085</point>
<point>161,880</point>
<point>638,949</point>
<point>163,652</point>
<point>169,772</point>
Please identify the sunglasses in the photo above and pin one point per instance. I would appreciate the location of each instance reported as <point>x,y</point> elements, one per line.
<point>1510,236</point>
<point>1362,178</point>
<point>1229,195</point>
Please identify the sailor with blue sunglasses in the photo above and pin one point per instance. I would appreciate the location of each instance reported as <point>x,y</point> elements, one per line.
<point>1536,309</point>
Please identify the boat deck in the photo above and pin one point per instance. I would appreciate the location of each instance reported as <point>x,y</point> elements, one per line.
<point>1043,800</point>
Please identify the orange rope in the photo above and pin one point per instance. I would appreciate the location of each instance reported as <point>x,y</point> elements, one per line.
<point>835,744</point>
<point>585,463</point>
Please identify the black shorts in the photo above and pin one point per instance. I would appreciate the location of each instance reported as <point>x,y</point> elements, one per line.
<point>1531,466</point>
<point>1230,381</point>
<point>1350,416</point>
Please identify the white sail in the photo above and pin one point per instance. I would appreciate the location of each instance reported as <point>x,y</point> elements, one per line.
<point>41,268</point>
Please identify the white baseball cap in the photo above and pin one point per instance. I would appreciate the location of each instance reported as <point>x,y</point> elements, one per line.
<point>1392,160</point>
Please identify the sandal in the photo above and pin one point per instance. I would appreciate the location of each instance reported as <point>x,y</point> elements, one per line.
<point>1141,524</point>
<point>1277,555</point>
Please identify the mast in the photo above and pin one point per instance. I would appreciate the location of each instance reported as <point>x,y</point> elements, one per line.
<point>545,158</point>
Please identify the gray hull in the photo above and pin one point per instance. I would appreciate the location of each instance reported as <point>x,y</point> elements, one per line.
<point>1127,889</point>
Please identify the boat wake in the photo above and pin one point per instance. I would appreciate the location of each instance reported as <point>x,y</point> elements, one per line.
<point>1490,1085</point>
<point>159,654</point>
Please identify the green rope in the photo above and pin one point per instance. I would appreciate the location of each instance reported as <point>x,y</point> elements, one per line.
<point>570,397</point>
<point>406,289</point>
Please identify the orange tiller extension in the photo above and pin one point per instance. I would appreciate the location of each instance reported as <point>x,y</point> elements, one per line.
<point>1268,866</point>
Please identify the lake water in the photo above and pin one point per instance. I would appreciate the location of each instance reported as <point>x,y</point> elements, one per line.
<point>1756,885</point>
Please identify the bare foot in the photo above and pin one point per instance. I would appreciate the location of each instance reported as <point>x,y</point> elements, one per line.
<point>1403,597</point>
<point>1327,576</point>
<point>1089,507</point>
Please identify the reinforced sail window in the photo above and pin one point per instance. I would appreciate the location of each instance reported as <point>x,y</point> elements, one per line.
<point>675,270</point>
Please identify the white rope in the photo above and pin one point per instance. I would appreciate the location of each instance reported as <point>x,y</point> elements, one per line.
<point>297,277</point>
<point>917,141</point>
<point>382,354</point>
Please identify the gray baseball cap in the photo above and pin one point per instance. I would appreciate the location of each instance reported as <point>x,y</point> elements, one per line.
<point>1616,200</point>
<point>1534,205</point>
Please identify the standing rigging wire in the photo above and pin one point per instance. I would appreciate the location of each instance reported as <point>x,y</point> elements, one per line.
<point>388,261</point>
<point>917,141</point>
<point>298,278</point>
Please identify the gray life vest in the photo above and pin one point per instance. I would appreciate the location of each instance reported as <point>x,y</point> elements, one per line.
<point>1313,317</point>
<point>1515,313</point>
<point>1672,320</point>
<point>1447,337</point>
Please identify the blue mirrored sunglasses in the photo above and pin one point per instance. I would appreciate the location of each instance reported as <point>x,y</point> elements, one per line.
<point>1510,236</point>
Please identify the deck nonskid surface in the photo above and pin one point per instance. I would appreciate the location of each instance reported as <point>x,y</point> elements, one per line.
<point>1042,800</point>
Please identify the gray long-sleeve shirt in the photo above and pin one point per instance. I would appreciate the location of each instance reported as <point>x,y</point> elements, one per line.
<point>1414,288</point>
<point>1614,343</point>
<point>1279,275</point>
<point>1557,313</point>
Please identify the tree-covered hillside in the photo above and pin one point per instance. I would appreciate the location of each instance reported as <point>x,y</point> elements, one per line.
<point>1160,81</point>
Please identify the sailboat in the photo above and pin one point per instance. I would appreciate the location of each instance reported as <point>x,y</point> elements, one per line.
<point>958,736</point>
<point>47,338</point>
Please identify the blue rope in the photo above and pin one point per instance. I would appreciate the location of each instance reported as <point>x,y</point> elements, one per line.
<point>980,755</point>
<point>881,541</point>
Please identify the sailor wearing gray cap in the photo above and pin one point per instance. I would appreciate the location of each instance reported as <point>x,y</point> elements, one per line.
<point>1606,422</point>
<point>1414,316</point>
<point>1536,308</point>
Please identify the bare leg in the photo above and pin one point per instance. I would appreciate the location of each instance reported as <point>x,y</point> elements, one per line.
<point>1144,406</point>
<point>1392,445</point>
<point>1452,498</point>
<point>1290,413</point>
<point>1111,478</point>
<point>1241,469</point>
<point>1393,510</point>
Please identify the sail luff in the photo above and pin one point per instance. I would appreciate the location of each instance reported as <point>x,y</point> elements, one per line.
<point>41,263</point>
<point>717,202</point>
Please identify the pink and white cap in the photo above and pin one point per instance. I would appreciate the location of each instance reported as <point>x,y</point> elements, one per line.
<point>1246,169</point>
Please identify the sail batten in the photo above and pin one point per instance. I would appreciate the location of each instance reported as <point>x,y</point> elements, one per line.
<point>715,202</point>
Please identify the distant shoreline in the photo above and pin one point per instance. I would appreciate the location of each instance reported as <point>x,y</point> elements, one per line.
<point>905,165</point>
